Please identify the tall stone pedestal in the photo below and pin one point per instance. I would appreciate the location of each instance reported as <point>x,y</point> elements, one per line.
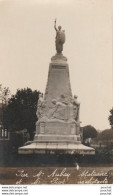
<point>58,125</point>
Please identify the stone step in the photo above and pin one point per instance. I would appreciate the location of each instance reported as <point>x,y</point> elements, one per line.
<point>57,141</point>
<point>57,138</point>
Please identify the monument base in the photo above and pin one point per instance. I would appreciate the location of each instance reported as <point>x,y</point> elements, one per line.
<point>58,125</point>
<point>56,148</point>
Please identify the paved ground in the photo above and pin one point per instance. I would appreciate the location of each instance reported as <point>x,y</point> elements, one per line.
<point>57,175</point>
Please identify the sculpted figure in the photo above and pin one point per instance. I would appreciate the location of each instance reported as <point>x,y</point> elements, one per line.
<point>76,101</point>
<point>60,38</point>
<point>76,107</point>
<point>59,110</point>
<point>41,106</point>
<point>40,99</point>
<point>63,99</point>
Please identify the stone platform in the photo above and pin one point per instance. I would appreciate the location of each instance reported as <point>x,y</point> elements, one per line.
<point>56,148</point>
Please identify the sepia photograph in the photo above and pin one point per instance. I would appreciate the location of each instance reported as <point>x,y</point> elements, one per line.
<point>56,92</point>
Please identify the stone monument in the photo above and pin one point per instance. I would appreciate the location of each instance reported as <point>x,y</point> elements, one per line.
<point>58,125</point>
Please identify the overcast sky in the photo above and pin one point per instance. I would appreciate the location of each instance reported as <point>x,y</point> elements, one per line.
<point>27,43</point>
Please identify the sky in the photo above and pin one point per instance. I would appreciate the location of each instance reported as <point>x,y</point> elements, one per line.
<point>27,43</point>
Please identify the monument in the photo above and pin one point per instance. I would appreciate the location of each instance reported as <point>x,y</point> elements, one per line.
<point>58,125</point>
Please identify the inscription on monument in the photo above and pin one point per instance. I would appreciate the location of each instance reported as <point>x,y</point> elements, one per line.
<point>60,128</point>
<point>58,66</point>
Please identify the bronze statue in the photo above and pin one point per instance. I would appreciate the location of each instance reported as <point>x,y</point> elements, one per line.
<point>60,38</point>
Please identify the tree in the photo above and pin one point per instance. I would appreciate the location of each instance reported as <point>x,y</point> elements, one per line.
<point>111,117</point>
<point>89,132</point>
<point>106,137</point>
<point>20,112</point>
<point>107,134</point>
<point>4,97</point>
<point>4,94</point>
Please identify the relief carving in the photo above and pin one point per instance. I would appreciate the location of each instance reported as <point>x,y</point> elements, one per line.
<point>64,109</point>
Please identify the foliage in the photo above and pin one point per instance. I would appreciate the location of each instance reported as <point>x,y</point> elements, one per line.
<point>4,94</point>
<point>111,117</point>
<point>4,97</point>
<point>20,112</point>
<point>89,132</point>
<point>106,135</point>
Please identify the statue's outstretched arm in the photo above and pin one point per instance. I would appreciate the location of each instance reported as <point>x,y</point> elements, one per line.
<point>55,26</point>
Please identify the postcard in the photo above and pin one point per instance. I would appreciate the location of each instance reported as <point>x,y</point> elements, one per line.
<point>56,110</point>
